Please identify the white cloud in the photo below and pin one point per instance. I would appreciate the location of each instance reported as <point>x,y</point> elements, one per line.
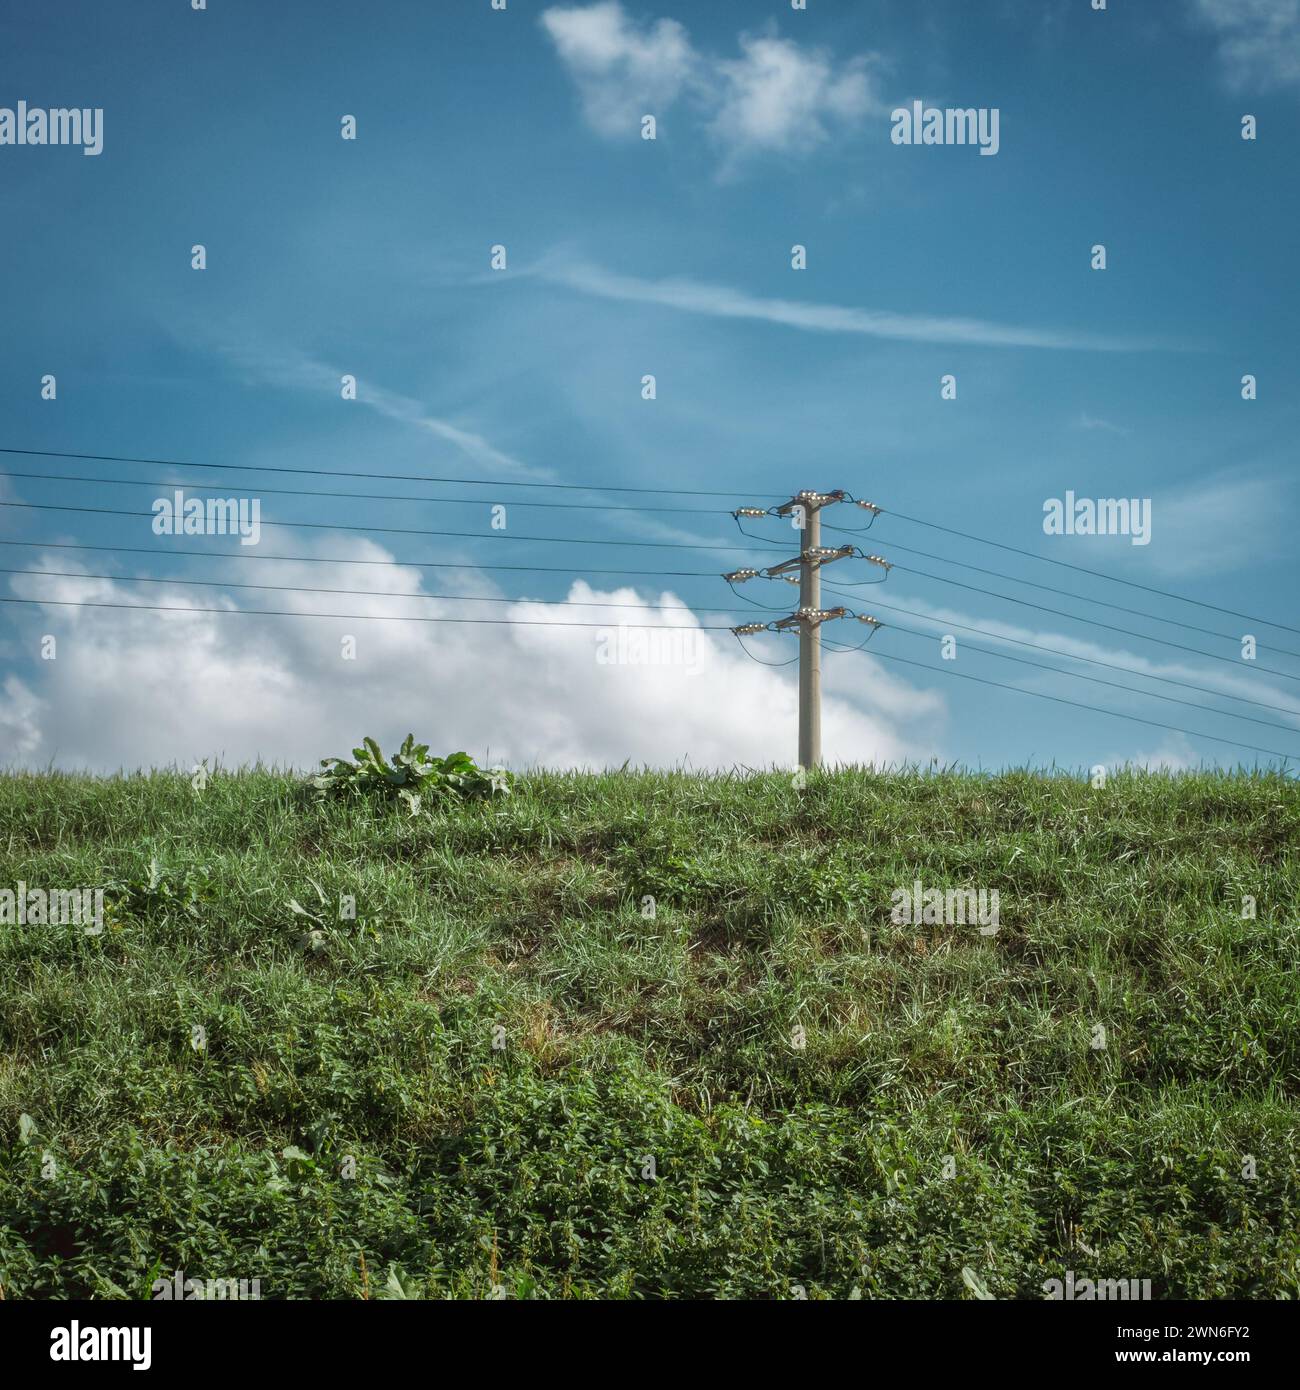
<point>134,687</point>
<point>720,301</point>
<point>20,714</point>
<point>1259,40</point>
<point>621,71</point>
<point>777,96</point>
<point>1174,754</point>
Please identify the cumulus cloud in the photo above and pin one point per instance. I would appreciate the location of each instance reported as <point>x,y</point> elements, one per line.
<point>621,71</point>
<point>1174,754</point>
<point>20,712</point>
<point>134,687</point>
<point>1259,40</point>
<point>778,95</point>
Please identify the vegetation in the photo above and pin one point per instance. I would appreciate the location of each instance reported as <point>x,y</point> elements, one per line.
<point>653,1035</point>
<point>411,776</point>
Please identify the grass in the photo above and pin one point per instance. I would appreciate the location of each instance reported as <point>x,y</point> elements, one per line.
<point>348,1129</point>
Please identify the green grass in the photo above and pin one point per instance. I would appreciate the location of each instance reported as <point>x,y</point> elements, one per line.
<point>777,1168</point>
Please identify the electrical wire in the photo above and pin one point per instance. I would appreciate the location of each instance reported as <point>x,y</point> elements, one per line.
<point>360,496</point>
<point>595,488</point>
<point>1092,622</point>
<point>1070,656</point>
<point>409,531</point>
<point>526,622</point>
<point>744,598</point>
<point>1097,680</point>
<point>386,477</point>
<point>1075,704</point>
<point>1066,593</point>
<point>361,617</point>
<point>329,560</point>
<point>355,593</point>
<point>855,647</point>
<point>1097,574</point>
<point>741,643</point>
<point>607,487</point>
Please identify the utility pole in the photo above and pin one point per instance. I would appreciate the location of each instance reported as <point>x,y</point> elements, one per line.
<point>805,507</point>
<point>810,642</point>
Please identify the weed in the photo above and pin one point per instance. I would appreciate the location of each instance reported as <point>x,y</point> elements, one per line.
<point>410,777</point>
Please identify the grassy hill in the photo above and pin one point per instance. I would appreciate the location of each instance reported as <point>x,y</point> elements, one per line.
<point>461,1090</point>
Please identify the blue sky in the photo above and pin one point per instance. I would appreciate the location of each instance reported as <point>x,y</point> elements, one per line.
<point>521,127</point>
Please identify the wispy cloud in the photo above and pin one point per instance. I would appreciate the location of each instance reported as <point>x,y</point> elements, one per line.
<point>1219,524</point>
<point>1221,680</point>
<point>720,301</point>
<point>1084,421</point>
<point>1259,40</point>
<point>292,368</point>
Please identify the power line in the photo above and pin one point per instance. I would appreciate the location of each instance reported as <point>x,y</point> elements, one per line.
<point>661,607</point>
<point>675,545</point>
<point>740,642</point>
<point>1142,636</point>
<point>1097,574</point>
<point>358,617</point>
<point>806,616</point>
<point>1066,593</point>
<point>600,506</point>
<point>386,477</point>
<point>1075,704</point>
<point>358,593</point>
<point>359,496</point>
<point>805,507</point>
<point>1069,656</point>
<point>527,622</point>
<point>409,531</point>
<point>1097,680</point>
<point>328,560</point>
<point>604,487</point>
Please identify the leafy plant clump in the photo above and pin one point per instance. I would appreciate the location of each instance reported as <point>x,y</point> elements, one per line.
<point>410,777</point>
<point>159,892</point>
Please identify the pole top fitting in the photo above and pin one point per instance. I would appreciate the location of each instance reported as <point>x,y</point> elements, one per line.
<point>812,616</point>
<point>823,554</point>
<point>811,500</point>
